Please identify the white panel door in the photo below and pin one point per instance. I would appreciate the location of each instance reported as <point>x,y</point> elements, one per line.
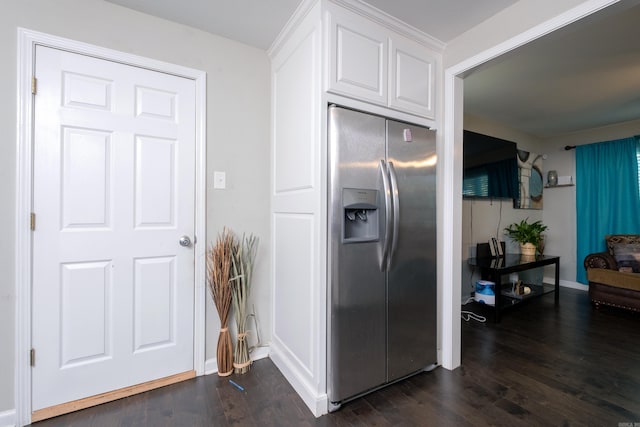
<point>114,176</point>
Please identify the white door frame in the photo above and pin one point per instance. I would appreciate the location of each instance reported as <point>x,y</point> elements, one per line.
<point>450,154</point>
<point>27,41</point>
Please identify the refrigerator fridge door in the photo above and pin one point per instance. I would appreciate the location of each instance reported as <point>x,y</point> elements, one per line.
<point>356,218</point>
<point>411,287</point>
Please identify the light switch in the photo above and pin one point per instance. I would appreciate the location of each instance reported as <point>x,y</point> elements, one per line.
<point>219,180</point>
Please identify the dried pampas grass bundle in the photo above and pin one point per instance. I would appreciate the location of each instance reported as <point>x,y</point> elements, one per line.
<point>219,270</point>
<point>243,259</point>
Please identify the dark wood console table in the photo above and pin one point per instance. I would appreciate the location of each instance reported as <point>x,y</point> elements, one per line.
<point>494,268</point>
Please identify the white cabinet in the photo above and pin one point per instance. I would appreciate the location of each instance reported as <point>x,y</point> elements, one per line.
<point>328,53</point>
<point>411,78</point>
<point>358,58</point>
<point>369,62</point>
<point>298,218</point>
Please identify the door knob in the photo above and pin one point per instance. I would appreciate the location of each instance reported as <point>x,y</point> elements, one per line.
<point>185,241</point>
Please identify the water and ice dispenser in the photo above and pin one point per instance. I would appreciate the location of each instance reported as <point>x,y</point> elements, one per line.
<point>360,215</point>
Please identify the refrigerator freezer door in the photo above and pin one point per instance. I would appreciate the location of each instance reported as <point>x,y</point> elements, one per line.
<point>357,322</point>
<point>411,287</point>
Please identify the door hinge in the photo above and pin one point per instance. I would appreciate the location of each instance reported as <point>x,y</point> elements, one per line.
<point>34,85</point>
<point>32,357</point>
<point>32,222</point>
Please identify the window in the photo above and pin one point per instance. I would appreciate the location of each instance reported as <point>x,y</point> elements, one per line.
<point>476,185</point>
<point>638,161</point>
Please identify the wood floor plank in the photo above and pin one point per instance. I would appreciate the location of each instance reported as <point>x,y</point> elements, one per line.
<point>543,364</point>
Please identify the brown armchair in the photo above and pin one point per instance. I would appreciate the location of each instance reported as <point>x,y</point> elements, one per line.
<point>608,285</point>
<point>600,260</point>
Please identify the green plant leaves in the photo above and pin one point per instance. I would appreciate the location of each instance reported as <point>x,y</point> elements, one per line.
<point>526,232</point>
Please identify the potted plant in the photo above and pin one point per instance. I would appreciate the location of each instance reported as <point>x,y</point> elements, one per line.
<point>528,234</point>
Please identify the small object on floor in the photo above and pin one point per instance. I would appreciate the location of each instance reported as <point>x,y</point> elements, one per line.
<point>236,385</point>
<point>470,315</point>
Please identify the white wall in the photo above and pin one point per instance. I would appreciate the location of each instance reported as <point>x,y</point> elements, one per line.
<point>237,132</point>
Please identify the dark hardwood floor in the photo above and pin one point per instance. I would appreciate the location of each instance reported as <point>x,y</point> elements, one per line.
<point>566,365</point>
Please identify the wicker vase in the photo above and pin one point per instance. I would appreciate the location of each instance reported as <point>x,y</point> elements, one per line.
<point>528,249</point>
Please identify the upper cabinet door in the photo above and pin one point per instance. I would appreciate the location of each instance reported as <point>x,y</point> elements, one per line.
<point>358,58</point>
<point>411,78</point>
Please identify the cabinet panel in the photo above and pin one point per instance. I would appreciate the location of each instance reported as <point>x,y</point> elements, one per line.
<point>358,58</point>
<point>294,260</point>
<point>295,99</point>
<point>298,219</point>
<point>411,79</point>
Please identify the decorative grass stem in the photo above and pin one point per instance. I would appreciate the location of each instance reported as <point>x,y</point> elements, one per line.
<point>241,284</point>
<point>219,268</point>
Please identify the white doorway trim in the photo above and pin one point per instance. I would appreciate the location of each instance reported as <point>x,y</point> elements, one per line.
<point>451,158</point>
<point>27,41</point>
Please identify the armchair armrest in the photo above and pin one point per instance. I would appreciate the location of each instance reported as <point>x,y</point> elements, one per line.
<point>600,260</point>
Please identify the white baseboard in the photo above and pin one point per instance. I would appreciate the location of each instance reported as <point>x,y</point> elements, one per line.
<point>318,403</point>
<point>8,418</point>
<point>567,284</point>
<point>211,365</point>
<point>574,285</point>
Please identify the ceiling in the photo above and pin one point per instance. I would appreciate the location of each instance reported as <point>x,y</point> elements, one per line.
<point>253,22</point>
<point>258,22</point>
<point>584,76</point>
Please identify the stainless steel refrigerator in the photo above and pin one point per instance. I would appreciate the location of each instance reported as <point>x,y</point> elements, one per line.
<point>382,252</point>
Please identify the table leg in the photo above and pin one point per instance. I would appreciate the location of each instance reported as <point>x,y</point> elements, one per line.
<point>557,296</point>
<point>498,292</point>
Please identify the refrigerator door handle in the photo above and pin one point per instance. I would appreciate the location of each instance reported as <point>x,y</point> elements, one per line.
<point>388,215</point>
<point>396,211</point>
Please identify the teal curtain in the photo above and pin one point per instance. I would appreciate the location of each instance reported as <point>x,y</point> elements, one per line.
<point>607,195</point>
